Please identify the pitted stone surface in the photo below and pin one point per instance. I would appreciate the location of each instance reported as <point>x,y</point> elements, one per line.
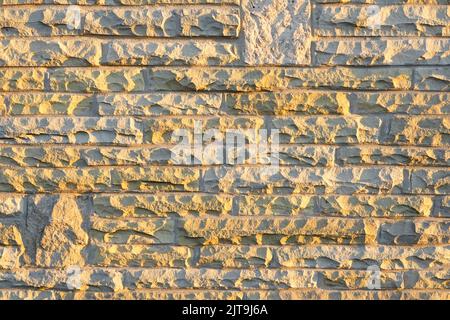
<point>98,98</point>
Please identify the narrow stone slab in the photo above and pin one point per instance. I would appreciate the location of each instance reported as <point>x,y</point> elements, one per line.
<point>276,32</point>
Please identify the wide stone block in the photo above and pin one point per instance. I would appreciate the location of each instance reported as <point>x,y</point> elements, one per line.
<point>74,130</point>
<point>137,255</point>
<point>399,102</point>
<point>159,104</point>
<point>362,257</point>
<point>384,155</point>
<point>364,206</point>
<point>155,179</point>
<point>24,52</point>
<point>283,103</point>
<point>413,232</point>
<point>381,20</point>
<point>431,181</point>
<point>129,205</point>
<point>174,53</point>
<point>297,180</point>
<point>170,130</point>
<point>434,79</point>
<point>267,79</point>
<point>274,231</point>
<point>43,104</point>
<point>21,79</point>
<point>234,257</point>
<point>383,52</point>
<point>96,80</point>
<point>132,231</point>
<point>163,21</point>
<point>33,180</point>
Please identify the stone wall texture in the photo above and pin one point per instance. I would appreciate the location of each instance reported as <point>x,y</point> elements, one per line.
<point>93,205</point>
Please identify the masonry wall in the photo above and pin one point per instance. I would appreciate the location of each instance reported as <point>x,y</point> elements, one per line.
<point>93,205</point>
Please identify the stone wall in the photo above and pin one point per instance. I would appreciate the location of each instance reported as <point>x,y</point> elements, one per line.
<point>93,204</point>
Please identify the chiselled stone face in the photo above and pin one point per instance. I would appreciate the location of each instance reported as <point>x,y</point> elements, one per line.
<point>224,149</point>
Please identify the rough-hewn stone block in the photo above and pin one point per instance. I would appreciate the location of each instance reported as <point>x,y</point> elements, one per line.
<point>137,255</point>
<point>362,257</point>
<point>382,155</point>
<point>132,231</point>
<point>383,52</point>
<point>432,78</point>
<point>144,22</point>
<point>157,52</point>
<point>383,20</point>
<point>70,130</point>
<point>161,205</point>
<point>292,180</point>
<point>277,32</point>
<point>251,79</point>
<point>25,52</point>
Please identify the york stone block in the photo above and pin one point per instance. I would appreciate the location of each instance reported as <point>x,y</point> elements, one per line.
<point>385,155</point>
<point>253,79</point>
<point>432,78</point>
<point>43,104</point>
<point>149,22</point>
<point>294,180</point>
<point>70,130</point>
<point>234,257</point>
<point>21,79</point>
<point>159,104</point>
<point>174,53</point>
<point>362,257</point>
<point>138,255</point>
<point>365,206</point>
<point>409,232</point>
<point>383,52</point>
<point>164,22</point>
<point>54,180</point>
<point>96,80</point>
<point>132,231</point>
<point>274,231</point>
<point>25,52</point>
<point>381,20</point>
<point>129,205</point>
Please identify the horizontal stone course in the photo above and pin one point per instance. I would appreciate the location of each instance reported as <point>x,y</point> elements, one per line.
<point>167,294</point>
<point>298,102</point>
<point>21,52</point>
<point>297,180</point>
<point>45,180</point>
<point>141,279</point>
<point>145,22</point>
<point>131,79</point>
